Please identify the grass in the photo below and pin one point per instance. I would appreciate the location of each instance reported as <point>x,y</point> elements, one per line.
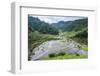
<point>66,56</point>
<point>35,39</point>
<point>85,48</point>
<point>78,36</point>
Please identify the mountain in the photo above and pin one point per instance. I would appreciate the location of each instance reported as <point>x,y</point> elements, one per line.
<point>35,24</point>
<point>75,25</point>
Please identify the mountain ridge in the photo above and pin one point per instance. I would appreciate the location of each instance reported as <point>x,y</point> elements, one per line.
<point>35,24</point>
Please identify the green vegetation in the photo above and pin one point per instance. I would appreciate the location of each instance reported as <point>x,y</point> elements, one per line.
<point>61,53</point>
<point>85,48</point>
<point>34,24</point>
<point>65,56</point>
<point>69,26</point>
<point>52,55</point>
<point>79,36</point>
<point>35,38</point>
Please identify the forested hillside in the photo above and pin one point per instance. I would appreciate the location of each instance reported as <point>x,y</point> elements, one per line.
<point>34,24</point>
<point>68,26</point>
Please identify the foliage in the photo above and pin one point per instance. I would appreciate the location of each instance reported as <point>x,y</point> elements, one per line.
<point>52,55</point>
<point>34,24</point>
<point>66,56</point>
<point>61,53</point>
<point>69,26</point>
<point>81,37</point>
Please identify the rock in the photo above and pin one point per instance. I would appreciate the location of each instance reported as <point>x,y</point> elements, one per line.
<point>72,51</point>
<point>82,52</point>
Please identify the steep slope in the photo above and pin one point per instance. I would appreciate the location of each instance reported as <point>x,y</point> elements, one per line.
<point>35,24</point>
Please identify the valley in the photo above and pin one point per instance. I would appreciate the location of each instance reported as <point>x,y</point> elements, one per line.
<point>61,40</point>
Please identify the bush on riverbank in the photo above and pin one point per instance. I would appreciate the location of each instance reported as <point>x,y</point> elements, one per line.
<point>63,55</point>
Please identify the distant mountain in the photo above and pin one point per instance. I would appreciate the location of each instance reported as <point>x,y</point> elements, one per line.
<point>59,24</point>
<point>75,25</point>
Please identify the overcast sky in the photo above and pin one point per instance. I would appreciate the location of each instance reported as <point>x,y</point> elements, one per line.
<point>55,19</point>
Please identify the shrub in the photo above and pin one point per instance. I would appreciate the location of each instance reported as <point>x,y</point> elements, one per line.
<point>77,54</point>
<point>61,53</point>
<point>52,55</point>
